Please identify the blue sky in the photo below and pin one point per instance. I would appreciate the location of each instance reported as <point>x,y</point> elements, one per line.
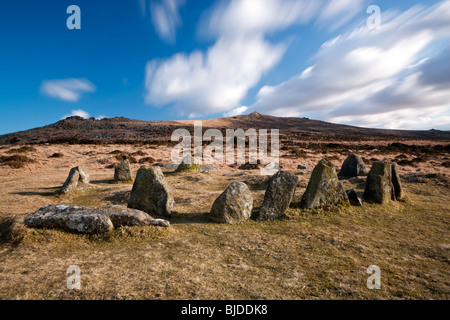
<point>185,59</point>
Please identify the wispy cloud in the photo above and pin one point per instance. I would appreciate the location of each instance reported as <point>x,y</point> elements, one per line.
<point>67,89</point>
<point>217,80</point>
<point>395,77</point>
<point>165,17</point>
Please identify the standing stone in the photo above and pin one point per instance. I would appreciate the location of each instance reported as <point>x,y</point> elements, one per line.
<point>234,205</point>
<point>396,183</point>
<point>324,188</point>
<point>353,198</point>
<point>71,182</point>
<point>278,197</point>
<point>353,166</point>
<point>188,164</point>
<point>122,171</point>
<point>151,193</point>
<point>84,176</point>
<point>379,187</point>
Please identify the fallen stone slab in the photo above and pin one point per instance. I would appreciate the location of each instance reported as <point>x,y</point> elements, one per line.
<point>88,221</point>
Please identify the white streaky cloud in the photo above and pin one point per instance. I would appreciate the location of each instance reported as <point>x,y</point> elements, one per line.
<point>166,18</point>
<point>77,113</point>
<point>367,77</point>
<point>67,89</point>
<point>218,79</point>
<point>236,112</point>
<point>249,16</point>
<point>214,81</point>
<point>338,12</point>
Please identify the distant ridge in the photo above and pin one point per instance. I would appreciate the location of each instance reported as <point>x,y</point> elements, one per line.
<point>123,130</point>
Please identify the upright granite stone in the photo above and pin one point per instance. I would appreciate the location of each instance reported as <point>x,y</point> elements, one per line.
<point>352,167</point>
<point>396,183</point>
<point>379,187</point>
<point>324,188</point>
<point>71,182</point>
<point>151,193</point>
<point>84,176</point>
<point>76,175</point>
<point>234,205</point>
<point>279,193</point>
<point>353,198</point>
<point>188,164</point>
<point>122,171</point>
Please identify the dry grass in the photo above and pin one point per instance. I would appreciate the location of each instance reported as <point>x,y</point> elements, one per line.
<point>308,255</point>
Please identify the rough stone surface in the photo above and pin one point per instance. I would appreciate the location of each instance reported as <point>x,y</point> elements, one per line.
<point>84,176</point>
<point>397,184</point>
<point>353,166</point>
<point>234,205</point>
<point>75,219</point>
<point>324,188</point>
<point>151,193</point>
<point>202,168</point>
<point>122,172</point>
<point>188,164</point>
<point>88,221</point>
<point>71,182</point>
<point>379,187</point>
<point>278,197</point>
<point>353,198</point>
<point>121,216</point>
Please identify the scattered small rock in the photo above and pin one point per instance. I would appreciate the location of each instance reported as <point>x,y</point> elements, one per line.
<point>188,164</point>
